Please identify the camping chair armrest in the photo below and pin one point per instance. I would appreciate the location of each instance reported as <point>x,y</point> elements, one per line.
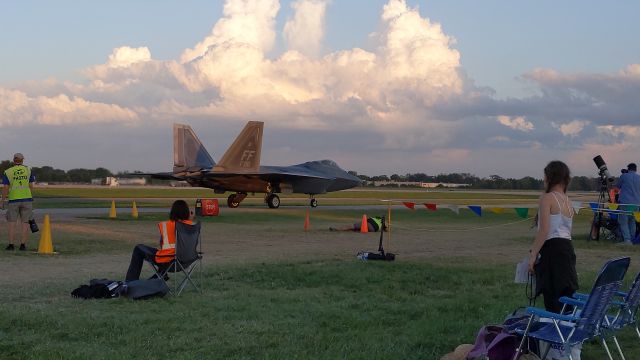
<point>618,303</point>
<point>166,256</point>
<point>572,301</point>
<point>580,296</point>
<point>550,315</point>
<point>621,293</point>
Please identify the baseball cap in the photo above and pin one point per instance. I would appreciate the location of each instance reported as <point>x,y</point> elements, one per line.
<point>18,156</point>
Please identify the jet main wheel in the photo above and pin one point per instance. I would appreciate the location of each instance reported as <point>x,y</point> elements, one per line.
<point>273,201</point>
<point>232,202</point>
<point>313,203</point>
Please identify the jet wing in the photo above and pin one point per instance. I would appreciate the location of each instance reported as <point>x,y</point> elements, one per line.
<point>278,181</point>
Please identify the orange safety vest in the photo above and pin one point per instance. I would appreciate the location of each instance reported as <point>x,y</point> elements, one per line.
<point>168,240</point>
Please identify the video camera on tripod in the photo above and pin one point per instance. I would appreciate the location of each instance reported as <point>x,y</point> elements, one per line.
<point>602,224</point>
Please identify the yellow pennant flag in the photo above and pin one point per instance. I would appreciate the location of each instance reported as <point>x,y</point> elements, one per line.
<point>496,210</point>
<point>637,216</point>
<point>613,206</point>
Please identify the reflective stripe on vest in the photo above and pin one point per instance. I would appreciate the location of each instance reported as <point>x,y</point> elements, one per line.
<point>378,222</point>
<point>168,238</point>
<point>18,176</point>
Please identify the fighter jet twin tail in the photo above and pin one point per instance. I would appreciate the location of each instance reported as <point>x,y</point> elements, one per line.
<point>239,169</point>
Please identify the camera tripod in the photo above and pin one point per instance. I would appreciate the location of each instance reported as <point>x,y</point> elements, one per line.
<point>603,225</point>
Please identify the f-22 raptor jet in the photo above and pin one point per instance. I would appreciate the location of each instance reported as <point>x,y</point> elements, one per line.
<point>239,169</point>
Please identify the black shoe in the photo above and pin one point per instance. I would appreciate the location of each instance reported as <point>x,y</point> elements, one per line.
<point>10,247</point>
<point>23,247</point>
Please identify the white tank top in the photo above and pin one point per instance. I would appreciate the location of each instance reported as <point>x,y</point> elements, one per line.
<point>559,224</point>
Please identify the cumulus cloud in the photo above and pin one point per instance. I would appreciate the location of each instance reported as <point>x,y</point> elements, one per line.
<point>125,56</point>
<point>406,95</point>
<point>572,128</point>
<point>247,22</point>
<point>16,108</point>
<point>304,32</point>
<point>516,123</point>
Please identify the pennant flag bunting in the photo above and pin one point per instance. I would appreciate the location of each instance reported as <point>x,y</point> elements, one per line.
<point>613,216</point>
<point>613,206</point>
<point>497,210</point>
<point>594,206</point>
<point>522,212</point>
<point>577,205</point>
<point>476,209</point>
<point>432,207</point>
<point>410,205</point>
<point>637,216</point>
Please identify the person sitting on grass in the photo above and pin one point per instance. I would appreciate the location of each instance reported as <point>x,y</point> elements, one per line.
<point>373,224</point>
<point>163,256</point>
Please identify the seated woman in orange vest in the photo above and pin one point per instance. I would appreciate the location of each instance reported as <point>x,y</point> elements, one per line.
<point>164,255</point>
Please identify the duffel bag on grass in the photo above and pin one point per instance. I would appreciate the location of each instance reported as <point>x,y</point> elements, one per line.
<point>145,289</point>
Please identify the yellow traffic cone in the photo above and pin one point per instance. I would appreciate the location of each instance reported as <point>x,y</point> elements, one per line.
<point>307,225</point>
<point>45,246</point>
<point>112,211</point>
<point>134,210</point>
<point>364,227</point>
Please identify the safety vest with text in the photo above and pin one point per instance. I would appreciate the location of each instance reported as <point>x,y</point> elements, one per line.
<point>167,250</point>
<point>18,176</point>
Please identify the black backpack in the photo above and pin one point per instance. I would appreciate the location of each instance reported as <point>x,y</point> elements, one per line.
<point>99,289</point>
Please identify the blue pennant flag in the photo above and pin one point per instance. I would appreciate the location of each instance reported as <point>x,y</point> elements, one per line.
<point>476,209</point>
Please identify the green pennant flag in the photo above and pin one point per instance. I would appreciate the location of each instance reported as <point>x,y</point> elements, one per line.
<point>522,212</point>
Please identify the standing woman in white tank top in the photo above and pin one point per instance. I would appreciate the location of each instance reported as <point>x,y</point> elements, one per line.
<point>555,268</point>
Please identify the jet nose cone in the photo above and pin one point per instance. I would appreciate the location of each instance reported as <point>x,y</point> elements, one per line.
<point>344,183</point>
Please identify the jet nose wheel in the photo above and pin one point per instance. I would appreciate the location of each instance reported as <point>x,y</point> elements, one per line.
<point>232,202</point>
<point>273,201</point>
<point>313,203</point>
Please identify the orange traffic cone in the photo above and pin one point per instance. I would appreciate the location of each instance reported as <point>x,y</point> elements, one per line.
<point>134,210</point>
<point>45,246</point>
<point>364,227</point>
<point>112,211</point>
<point>307,226</point>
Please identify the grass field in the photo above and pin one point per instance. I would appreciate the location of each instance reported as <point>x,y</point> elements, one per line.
<point>271,290</point>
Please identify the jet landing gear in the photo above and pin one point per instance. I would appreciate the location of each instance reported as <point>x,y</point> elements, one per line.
<point>234,200</point>
<point>273,201</point>
<point>313,202</point>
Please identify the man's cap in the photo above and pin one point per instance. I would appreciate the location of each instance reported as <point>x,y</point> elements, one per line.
<point>18,156</point>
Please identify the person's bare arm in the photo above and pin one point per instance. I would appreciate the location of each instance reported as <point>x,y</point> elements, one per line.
<point>544,211</point>
<point>5,193</point>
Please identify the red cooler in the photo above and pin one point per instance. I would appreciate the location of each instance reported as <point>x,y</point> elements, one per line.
<point>207,207</point>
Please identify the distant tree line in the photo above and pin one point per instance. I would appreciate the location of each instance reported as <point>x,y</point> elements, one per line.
<point>49,174</point>
<point>578,183</point>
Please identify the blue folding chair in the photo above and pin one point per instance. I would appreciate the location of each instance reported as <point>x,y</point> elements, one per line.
<point>568,331</point>
<point>625,311</point>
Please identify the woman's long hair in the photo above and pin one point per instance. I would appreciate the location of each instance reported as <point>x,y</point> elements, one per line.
<point>556,173</point>
<point>179,211</point>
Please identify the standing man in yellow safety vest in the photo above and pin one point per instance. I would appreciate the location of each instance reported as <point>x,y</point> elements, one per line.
<point>18,184</point>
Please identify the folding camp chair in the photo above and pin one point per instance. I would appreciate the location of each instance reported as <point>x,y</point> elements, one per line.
<point>188,257</point>
<point>568,331</point>
<point>625,311</point>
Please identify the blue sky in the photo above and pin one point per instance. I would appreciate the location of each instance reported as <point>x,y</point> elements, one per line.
<point>496,48</point>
